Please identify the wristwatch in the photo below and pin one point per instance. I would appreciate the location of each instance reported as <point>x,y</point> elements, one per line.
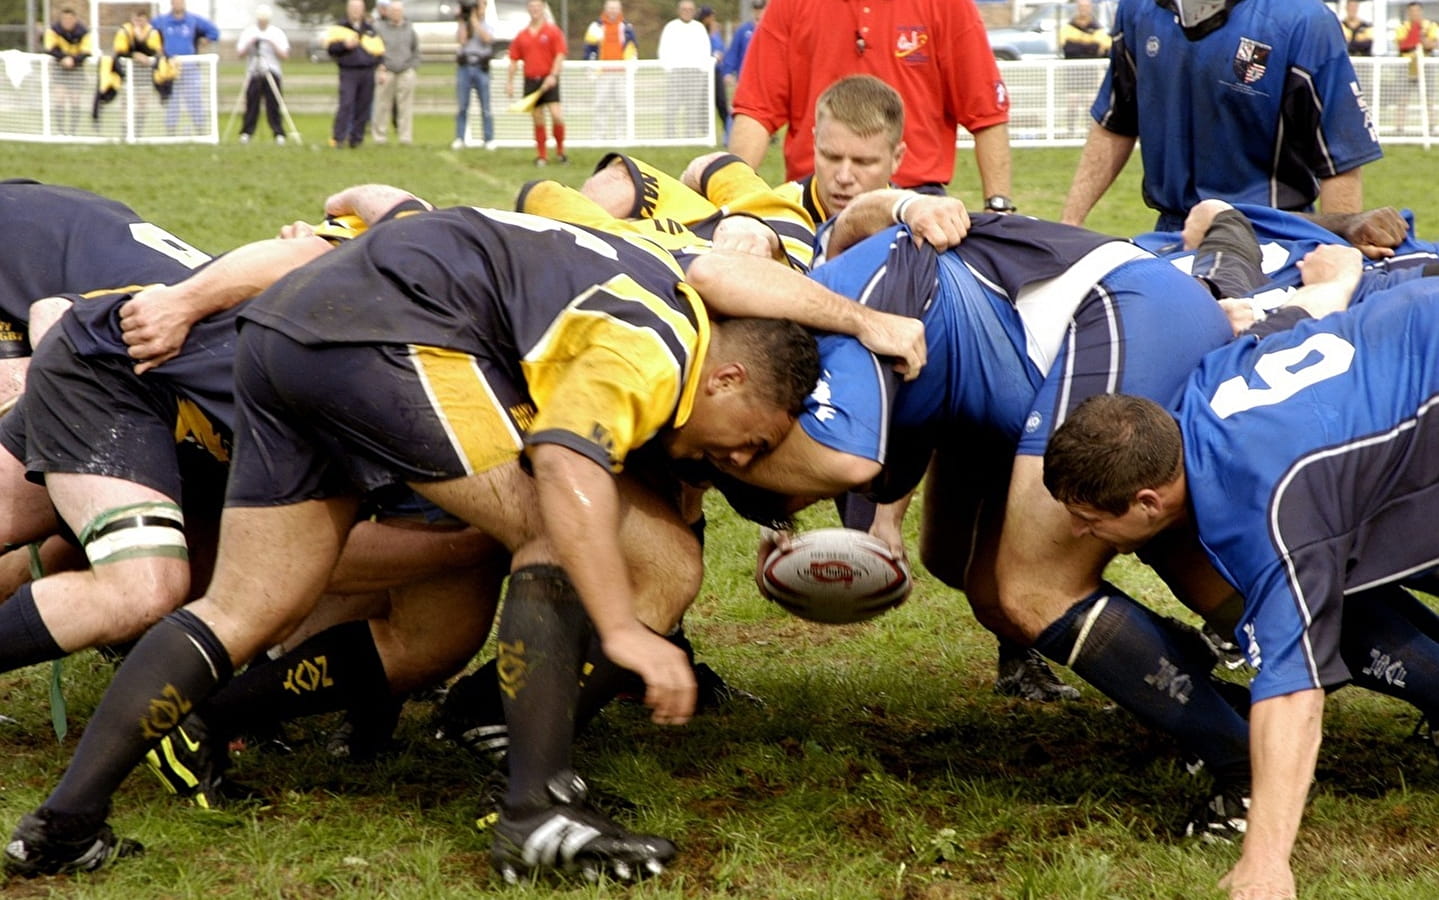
<point>1000,204</point>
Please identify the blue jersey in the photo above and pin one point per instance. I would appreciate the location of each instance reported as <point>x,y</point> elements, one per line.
<point>1312,472</point>
<point>1023,320</point>
<point>1256,112</point>
<point>61,240</point>
<point>182,33</point>
<point>1285,238</point>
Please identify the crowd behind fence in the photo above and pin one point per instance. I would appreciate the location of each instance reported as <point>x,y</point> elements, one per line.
<point>607,104</point>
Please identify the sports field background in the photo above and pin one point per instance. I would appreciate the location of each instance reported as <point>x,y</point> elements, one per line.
<point>882,765</point>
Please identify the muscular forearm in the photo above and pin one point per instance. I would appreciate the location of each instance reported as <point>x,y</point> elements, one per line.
<point>1344,193</point>
<point>1285,733</point>
<point>1101,161</point>
<point>748,140</point>
<point>991,153</point>
<point>368,201</point>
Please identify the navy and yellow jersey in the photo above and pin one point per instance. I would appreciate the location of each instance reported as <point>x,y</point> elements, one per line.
<point>76,43</point>
<point>728,187</point>
<point>63,241</point>
<point>1309,454</point>
<point>599,331</point>
<point>554,200</point>
<point>127,44</point>
<point>364,55</point>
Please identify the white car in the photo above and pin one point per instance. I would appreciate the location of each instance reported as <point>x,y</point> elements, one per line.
<point>1036,35</point>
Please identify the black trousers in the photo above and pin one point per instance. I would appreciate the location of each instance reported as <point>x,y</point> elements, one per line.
<point>257,91</point>
<point>357,95</point>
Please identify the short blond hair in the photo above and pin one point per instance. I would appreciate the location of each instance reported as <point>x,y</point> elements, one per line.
<point>864,105</point>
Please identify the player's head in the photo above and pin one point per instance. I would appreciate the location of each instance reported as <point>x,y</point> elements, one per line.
<point>1084,12</point>
<point>177,7</point>
<point>858,123</point>
<point>1116,464</point>
<point>613,11</point>
<point>68,17</point>
<point>140,17</point>
<point>1351,9</point>
<point>355,10</point>
<point>1199,17</point>
<point>1415,12</point>
<point>263,13</point>
<point>756,376</point>
<point>685,9</point>
<point>536,9</point>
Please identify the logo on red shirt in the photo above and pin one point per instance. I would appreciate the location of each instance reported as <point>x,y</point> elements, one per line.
<point>910,44</point>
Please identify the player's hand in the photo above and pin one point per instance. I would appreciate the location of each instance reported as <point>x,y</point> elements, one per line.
<point>746,234</point>
<point>509,90</point>
<point>670,689</point>
<point>1240,313</point>
<point>690,177</point>
<point>297,230</point>
<point>1332,263</point>
<point>1377,232</point>
<point>887,529</point>
<point>1201,216</point>
<point>886,334</point>
<point>1256,882</point>
<point>940,222</point>
<point>154,326</point>
<point>769,541</point>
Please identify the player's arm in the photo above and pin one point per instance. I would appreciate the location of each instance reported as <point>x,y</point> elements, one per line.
<point>991,154</point>
<point>580,507</point>
<point>371,202</point>
<point>156,321</point>
<point>1284,737</point>
<point>738,285</point>
<point>748,139</point>
<point>803,467</point>
<point>1101,161</point>
<point>939,221</point>
<point>1343,193</point>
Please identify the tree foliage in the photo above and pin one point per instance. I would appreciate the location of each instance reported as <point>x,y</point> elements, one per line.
<point>314,12</point>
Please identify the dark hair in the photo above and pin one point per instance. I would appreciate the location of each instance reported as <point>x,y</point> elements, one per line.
<point>782,356</point>
<point>1110,448</point>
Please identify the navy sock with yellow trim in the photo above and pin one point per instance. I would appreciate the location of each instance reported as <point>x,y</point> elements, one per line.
<point>175,667</point>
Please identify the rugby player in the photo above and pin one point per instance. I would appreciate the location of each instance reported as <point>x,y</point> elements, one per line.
<point>1305,460</point>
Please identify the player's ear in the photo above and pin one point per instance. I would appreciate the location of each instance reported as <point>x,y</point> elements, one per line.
<point>899,150</point>
<point>727,377</point>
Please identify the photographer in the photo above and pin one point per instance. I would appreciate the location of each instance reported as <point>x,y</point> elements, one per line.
<point>477,47</point>
<point>262,46</point>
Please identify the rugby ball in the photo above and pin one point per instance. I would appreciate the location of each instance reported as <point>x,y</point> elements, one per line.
<point>836,576</point>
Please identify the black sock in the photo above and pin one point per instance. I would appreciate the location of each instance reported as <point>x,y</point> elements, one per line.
<point>544,633</point>
<point>336,669</point>
<point>1152,668</point>
<point>24,639</point>
<point>1387,642</point>
<point>1010,651</point>
<point>175,666</point>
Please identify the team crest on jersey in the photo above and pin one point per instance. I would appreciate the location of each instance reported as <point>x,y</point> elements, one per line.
<point>911,44</point>
<point>1251,60</point>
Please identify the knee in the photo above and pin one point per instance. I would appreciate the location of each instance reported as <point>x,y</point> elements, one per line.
<point>138,596</point>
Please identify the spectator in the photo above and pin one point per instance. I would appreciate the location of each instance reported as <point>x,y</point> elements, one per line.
<point>1082,37</point>
<point>738,47</point>
<point>684,52</point>
<point>1358,34</point>
<point>69,42</point>
<point>1416,36</point>
<point>611,39</point>
<point>1209,112</point>
<point>540,50</point>
<point>477,48</point>
<point>357,49</point>
<point>263,46</point>
<point>934,52</point>
<point>185,34</point>
<point>707,18</point>
<point>395,76</point>
<point>139,43</point>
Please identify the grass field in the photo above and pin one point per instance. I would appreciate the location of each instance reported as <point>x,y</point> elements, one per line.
<point>882,765</point>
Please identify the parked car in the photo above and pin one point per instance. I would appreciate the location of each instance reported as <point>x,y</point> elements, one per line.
<point>435,22</point>
<point>1036,35</point>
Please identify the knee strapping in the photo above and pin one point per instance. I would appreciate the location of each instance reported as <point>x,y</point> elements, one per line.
<point>153,528</point>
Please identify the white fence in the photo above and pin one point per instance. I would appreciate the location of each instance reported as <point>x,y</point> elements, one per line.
<point>637,103</point>
<point>1050,100</point>
<point>39,101</point>
<point>614,104</point>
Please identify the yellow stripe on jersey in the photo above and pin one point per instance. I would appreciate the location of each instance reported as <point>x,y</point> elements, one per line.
<point>191,423</point>
<point>615,382</point>
<point>480,430</point>
<point>565,204</point>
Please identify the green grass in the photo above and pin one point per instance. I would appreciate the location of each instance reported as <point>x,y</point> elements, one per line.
<point>882,766</point>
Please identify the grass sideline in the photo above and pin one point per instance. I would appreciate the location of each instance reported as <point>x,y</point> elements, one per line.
<point>882,766</point>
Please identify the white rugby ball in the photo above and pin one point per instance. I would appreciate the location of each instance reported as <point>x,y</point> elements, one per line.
<point>836,576</point>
